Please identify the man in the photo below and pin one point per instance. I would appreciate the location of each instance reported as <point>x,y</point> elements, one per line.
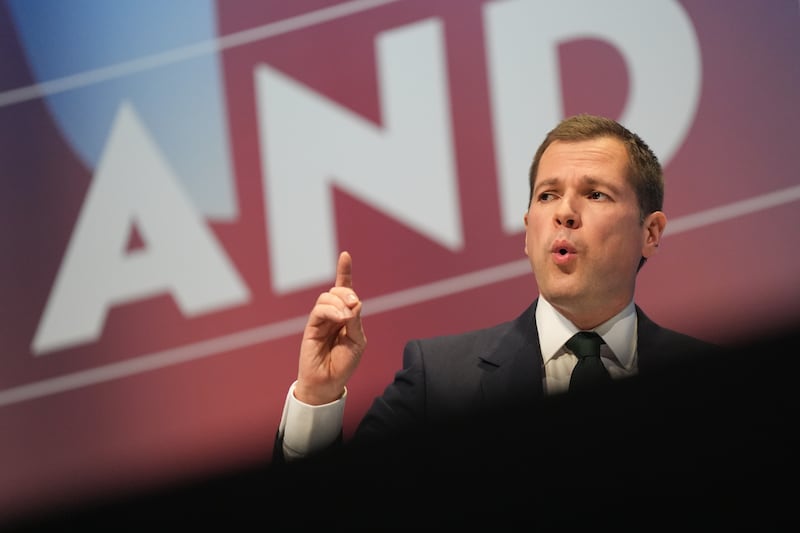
<point>594,218</point>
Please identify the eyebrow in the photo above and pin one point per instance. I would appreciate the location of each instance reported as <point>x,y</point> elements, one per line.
<point>585,180</point>
<point>545,183</point>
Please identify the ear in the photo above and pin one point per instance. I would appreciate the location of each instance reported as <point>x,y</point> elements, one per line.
<point>652,232</point>
<point>525,218</point>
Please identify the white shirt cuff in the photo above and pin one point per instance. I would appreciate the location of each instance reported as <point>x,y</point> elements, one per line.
<point>307,429</point>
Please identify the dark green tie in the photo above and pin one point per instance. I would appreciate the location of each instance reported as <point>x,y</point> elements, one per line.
<point>589,372</point>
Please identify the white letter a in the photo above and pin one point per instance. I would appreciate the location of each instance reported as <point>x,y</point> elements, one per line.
<point>133,184</point>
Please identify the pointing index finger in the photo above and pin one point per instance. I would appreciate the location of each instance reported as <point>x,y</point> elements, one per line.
<point>344,271</point>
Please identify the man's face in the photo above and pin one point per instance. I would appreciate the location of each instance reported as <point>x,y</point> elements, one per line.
<point>583,233</point>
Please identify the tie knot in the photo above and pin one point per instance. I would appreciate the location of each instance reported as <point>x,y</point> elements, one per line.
<point>585,344</point>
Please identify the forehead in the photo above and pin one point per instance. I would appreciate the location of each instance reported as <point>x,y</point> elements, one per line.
<point>601,158</point>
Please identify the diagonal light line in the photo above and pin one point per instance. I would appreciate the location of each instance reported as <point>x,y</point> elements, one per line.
<point>736,209</point>
<point>176,55</point>
<point>446,287</point>
<point>379,304</point>
<point>153,361</point>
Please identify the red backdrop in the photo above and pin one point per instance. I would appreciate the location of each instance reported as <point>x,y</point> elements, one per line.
<point>393,130</point>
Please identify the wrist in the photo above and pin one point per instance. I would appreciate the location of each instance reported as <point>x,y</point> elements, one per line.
<point>315,396</point>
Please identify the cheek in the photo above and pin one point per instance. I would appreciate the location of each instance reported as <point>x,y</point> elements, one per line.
<point>625,245</point>
<point>535,223</point>
<point>620,236</point>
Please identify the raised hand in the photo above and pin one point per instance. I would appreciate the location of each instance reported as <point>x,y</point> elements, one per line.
<point>333,340</point>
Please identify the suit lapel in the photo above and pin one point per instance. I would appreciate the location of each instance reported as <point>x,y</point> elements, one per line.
<point>513,366</point>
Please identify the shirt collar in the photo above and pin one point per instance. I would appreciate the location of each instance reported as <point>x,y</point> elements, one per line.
<point>619,332</point>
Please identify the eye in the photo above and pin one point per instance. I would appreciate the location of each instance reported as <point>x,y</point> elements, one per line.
<point>597,195</point>
<point>545,196</point>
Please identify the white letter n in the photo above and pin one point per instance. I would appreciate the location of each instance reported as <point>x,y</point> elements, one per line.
<point>404,169</point>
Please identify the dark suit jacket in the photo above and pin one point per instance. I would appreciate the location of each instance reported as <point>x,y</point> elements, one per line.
<point>493,369</point>
<point>470,385</point>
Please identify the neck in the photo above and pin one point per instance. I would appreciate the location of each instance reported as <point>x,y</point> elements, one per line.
<point>586,317</point>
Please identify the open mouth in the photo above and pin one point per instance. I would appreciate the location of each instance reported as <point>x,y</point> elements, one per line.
<point>563,252</point>
<point>563,248</point>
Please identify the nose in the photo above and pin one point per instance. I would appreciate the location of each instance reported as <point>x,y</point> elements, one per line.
<point>566,214</point>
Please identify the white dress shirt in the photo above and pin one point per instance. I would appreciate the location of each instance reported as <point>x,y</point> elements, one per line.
<point>618,353</point>
<point>307,429</point>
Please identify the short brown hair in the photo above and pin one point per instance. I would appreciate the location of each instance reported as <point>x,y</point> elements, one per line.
<point>644,170</point>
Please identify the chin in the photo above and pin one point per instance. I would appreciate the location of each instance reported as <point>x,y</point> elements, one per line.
<point>563,296</point>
